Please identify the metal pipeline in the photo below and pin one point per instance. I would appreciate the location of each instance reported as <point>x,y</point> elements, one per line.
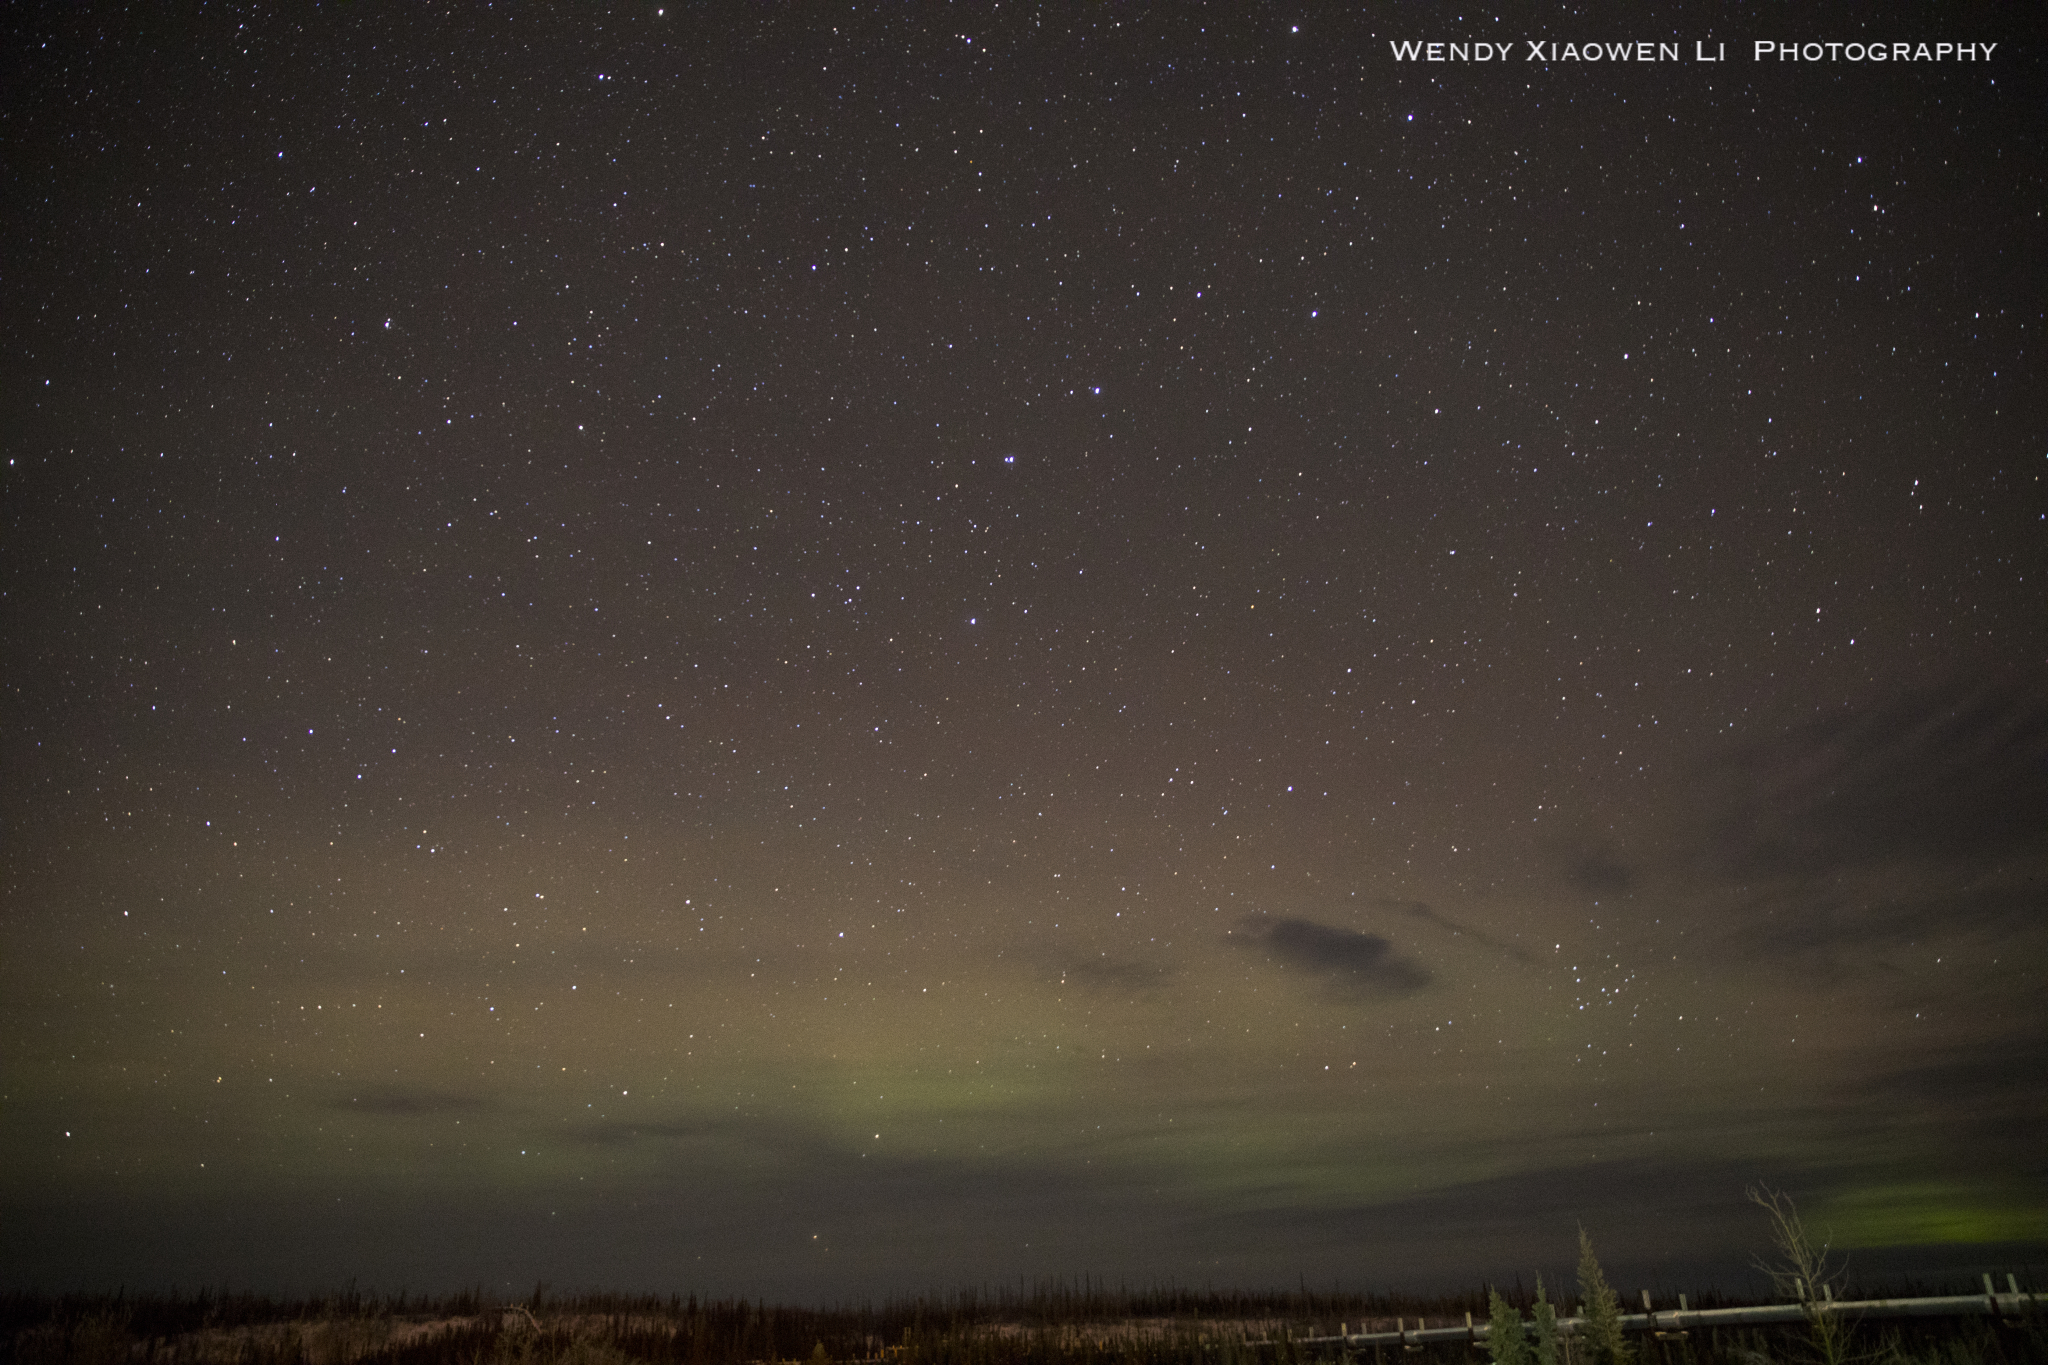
<point>1987,1304</point>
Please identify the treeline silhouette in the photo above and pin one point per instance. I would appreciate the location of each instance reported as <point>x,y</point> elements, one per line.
<point>1052,1303</point>
<point>678,1327</point>
<point>1061,1322</point>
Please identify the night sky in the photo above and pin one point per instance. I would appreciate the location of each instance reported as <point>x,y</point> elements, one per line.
<point>824,649</point>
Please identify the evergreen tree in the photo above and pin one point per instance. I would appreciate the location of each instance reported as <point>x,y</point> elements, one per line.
<point>1546,1327</point>
<point>1505,1340</point>
<point>1600,1308</point>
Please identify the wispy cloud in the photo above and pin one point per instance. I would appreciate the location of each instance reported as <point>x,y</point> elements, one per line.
<point>1600,872</point>
<point>1946,773</point>
<point>1108,973</point>
<point>1423,911</point>
<point>398,1102</point>
<point>1862,830</point>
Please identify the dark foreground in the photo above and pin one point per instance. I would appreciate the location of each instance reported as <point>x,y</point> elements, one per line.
<point>1055,1325</point>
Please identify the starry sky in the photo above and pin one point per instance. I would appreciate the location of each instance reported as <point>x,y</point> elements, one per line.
<point>831,648</point>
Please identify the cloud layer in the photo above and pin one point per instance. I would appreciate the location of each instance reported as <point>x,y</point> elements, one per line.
<point>1344,960</point>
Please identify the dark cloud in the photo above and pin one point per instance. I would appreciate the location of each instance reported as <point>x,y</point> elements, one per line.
<point>1345,958</point>
<point>722,1229</point>
<point>1528,1222</point>
<point>1600,873</point>
<point>1991,1093</point>
<point>1951,773</point>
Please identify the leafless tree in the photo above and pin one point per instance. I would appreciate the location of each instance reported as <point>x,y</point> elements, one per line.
<point>1804,1272</point>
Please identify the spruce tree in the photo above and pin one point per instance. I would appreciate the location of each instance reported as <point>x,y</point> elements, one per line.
<point>1505,1340</point>
<point>1600,1309</point>
<point>1546,1327</point>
